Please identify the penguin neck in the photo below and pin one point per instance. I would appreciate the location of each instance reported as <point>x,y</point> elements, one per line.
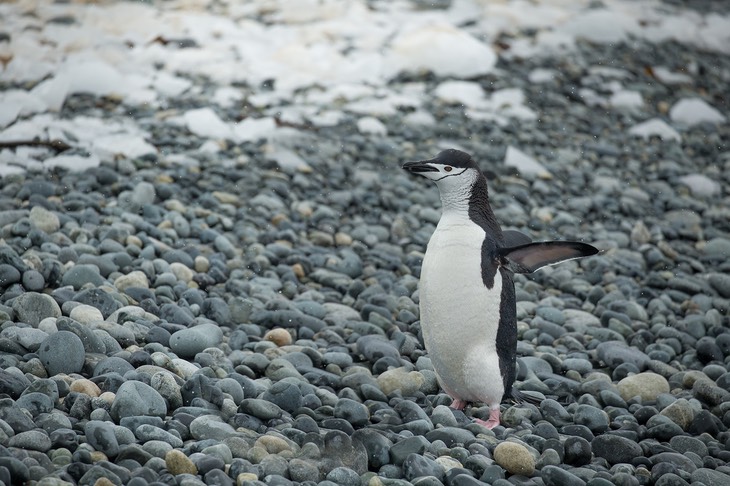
<point>472,203</point>
<point>455,203</point>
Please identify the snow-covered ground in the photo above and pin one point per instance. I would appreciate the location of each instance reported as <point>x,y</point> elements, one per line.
<point>304,61</point>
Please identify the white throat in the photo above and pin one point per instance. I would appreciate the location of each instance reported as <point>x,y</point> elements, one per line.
<point>455,193</point>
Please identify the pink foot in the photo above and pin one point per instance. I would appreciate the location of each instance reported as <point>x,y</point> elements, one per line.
<point>458,404</point>
<point>493,419</point>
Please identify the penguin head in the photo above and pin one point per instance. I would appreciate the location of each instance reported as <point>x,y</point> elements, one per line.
<point>451,170</point>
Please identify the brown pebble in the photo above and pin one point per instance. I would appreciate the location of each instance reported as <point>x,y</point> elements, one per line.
<point>298,270</point>
<point>87,387</point>
<point>280,337</point>
<point>178,463</point>
<point>103,482</point>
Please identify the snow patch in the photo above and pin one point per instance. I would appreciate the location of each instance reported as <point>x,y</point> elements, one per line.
<point>626,100</point>
<point>75,163</point>
<point>655,127</point>
<point>204,122</point>
<point>369,125</point>
<point>664,75</point>
<point>131,146</point>
<point>525,165</point>
<point>465,93</point>
<point>700,185</point>
<point>253,129</point>
<point>441,48</point>
<point>691,111</point>
<point>288,160</point>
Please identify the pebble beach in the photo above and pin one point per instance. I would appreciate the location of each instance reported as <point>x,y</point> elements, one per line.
<point>209,255</point>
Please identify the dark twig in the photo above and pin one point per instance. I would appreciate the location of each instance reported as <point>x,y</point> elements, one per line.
<point>57,145</point>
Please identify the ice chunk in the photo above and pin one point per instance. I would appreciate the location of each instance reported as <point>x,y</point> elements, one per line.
<point>626,100</point>
<point>602,25</point>
<point>466,93</point>
<point>288,160</point>
<point>124,144</point>
<point>666,76</point>
<point>691,111</point>
<point>327,118</point>
<point>72,162</point>
<point>524,164</point>
<point>253,129</point>
<point>169,85</point>
<point>53,92</point>
<point>700,185</point>
<point>205,123</point>
<point>227,96</point>
<point>373,107</point>
<point>9,111</point>
<point>94,77</point>
<point>441,48</point>
<point>23,69</point>
<point>370,125</point>
<point>419,117</point>
<point>541,75</point>
<point>655,127</point>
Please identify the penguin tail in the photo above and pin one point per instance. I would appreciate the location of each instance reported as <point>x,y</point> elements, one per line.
<point>527,397</point>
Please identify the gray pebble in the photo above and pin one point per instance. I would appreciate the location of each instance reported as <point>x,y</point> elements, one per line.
<point>710,477</point>
<point>343,476</point>
<point>555,476</point>
<point>28,337</point>
<point>82,274</point>
<point>450,435</point>
<point>594,418</point>
<point>36,403</point>
<point>614,353</point>
<point>186,343</point>
<point>33,281</point>
<point>32,308</point>
<point>416,466</point>
<point>402,449</point>
<point>34,440</point>
<point>260,408</point>
<point>554,413</point>
<point>303,470</point>
<point>8,275</point>
<point>100,435</point>
<point>135,398</point>
<point>147,432</point>
<point>62,352</point>
<point>210,427</point>
<point>684,444</point>
<point>354,412</point>
<point>615,449</point>
<point>285,394</point>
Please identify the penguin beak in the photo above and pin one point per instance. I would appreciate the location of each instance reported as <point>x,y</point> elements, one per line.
<point>420,166</point>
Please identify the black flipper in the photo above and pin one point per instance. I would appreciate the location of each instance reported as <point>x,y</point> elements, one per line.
<point>532,256</point>
<point>527,397</point>
<point>514,238</point>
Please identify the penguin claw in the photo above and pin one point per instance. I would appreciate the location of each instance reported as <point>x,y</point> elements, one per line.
<point>493,419</point>
<point>458,404</point>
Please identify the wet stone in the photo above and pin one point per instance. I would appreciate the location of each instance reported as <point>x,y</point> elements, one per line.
<point>615,449</point>
<point>555,476</point>
<point>62,352</point>
<point>135,398</point>
<point>32,308</point>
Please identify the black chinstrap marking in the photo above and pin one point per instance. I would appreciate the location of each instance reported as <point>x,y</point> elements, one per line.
<point>450,175</point>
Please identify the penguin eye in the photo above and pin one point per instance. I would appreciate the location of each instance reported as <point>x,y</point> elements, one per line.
<point>448,168</point>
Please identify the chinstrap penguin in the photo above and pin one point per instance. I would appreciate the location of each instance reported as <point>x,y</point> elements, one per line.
<point>467,295</point>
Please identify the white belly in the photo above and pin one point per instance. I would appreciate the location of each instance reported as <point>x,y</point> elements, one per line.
<point>459,315</point>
